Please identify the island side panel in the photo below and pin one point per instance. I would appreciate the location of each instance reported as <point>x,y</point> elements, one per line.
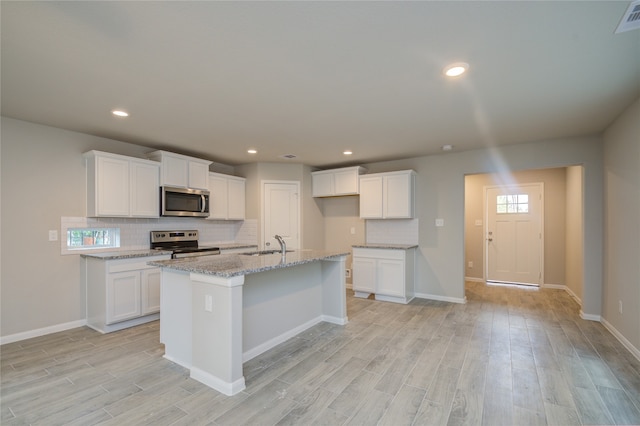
<point>334,293</point>
<point>279,304</point>
<point>217,332</point>
<point>175,316</point>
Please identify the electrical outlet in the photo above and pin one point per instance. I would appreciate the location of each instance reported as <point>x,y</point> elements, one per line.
<point>470,263</point>
<point>208,303</point>
<point>53,235</point>
<point>353,230</point>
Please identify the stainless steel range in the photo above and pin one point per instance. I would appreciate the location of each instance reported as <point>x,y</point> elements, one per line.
<point>181,243</point>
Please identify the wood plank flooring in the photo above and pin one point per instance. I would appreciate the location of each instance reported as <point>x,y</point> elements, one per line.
<point>510,356</point>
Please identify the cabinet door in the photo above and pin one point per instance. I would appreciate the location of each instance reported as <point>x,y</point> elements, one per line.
<point>123,296</point>
<point>371,197</point>
<point>236,199</point>
<point>145,193</point>
<point>151,290</point>
<point>398,196</point>
<point>198,175</point>
<point>346,182</point>
<point>364,274</point>
<point>390,277</point>
<point>175,171</point>
<point>218,196</point>
<point>113,187</point>
<point>322,184</point>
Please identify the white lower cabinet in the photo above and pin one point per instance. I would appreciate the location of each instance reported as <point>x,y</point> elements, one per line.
<point>121,293</point>
<point>387,273</point>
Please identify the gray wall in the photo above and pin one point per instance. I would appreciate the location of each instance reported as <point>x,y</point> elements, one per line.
<point>622,224</point>
<point>43,179</point>
<point>554,181</point>
<point>440,194</point>
<point>574,246</point>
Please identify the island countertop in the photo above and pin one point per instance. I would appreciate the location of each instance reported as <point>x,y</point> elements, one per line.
<point>232,265</point>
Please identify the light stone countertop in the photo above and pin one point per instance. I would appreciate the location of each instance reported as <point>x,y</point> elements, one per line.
<point>386,246</point>
<point>126,254</point>
<point>232,265</point>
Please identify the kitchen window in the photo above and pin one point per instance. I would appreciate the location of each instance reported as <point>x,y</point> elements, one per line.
<point>92,238</point>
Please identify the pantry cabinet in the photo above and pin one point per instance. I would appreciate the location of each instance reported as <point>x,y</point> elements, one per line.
<point>121,186</point>
<point>182,171</point>
<point>387,195</point>
<point>121,293</point>
<point>226,197</point>
<point>387,273</point>
<point>336,182</point>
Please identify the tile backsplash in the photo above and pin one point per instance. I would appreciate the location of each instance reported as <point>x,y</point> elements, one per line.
<point>392,231</point>
<point>134,233</point>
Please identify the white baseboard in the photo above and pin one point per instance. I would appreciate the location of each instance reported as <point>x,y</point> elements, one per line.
<point>441,298</point>
<point>627,344</point>
<point>590,317</point>
<point>474,279</point>
<point>227,388</point>
<point>565,288</point>
<point>42,331</point>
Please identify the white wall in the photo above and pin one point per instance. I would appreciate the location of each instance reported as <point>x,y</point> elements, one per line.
<point>622,225</point>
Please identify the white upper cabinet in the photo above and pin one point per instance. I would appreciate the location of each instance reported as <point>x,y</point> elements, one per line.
<point>227,197</point>
<point>336,182</point>
<point>121,186</point>
<point>182,171</point>
<point>387,195</point>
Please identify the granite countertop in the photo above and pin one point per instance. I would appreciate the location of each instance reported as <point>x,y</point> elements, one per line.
<point>386,246</point>
<point>126,254</point>
<point>232,265</point>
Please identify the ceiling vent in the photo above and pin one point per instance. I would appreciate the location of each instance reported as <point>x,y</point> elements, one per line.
<point>631,18</point>
<point>289,156</point>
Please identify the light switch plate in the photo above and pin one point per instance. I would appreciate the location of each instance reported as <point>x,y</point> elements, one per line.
<point>478,222</point>
<point>53,235</point>
<point>439,222</point>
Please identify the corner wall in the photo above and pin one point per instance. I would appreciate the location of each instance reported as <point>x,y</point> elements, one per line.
<point>622,226</point>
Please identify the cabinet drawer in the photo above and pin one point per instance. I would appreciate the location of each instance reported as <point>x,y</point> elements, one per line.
<point>379,253</point>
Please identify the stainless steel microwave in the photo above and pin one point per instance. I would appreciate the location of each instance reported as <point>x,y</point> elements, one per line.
<point>184,202</point>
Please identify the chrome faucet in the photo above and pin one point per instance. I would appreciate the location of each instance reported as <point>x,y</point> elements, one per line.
<point>283,245</point>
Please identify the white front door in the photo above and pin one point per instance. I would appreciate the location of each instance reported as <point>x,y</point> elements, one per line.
<point>514,237</point>
<point>281,213</point>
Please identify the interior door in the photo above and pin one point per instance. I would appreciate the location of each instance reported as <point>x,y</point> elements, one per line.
<point>281,214</point>
<point>514,237</point>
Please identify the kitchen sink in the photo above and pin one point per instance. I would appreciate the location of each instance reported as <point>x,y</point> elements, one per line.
<point>263,252</point>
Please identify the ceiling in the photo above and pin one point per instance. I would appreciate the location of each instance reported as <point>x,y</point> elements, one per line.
<point>313,79</point>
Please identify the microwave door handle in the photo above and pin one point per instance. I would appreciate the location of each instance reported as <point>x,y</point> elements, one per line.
<point>204,203</point>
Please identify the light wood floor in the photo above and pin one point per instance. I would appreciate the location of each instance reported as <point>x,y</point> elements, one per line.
<point>509,356</point>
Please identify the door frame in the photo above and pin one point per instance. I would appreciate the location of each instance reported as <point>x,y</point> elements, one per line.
<point>485,217</point>
<point>263,184</point>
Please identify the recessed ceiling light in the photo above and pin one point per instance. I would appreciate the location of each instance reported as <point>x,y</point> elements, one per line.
<point>447,147</point>
<point>348,152</point>
<point>252,151</point>
<point>454,70</point>
<point>120,113</point>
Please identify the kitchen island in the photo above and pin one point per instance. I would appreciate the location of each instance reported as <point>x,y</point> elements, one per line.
<point>219,311</point>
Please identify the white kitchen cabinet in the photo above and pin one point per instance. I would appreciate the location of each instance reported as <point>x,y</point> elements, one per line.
<point>226,197</point>
<point>387,273</point>
<point>336,182</point>
<point>121,186</point>
<point>121,293</point>
<point>182,171</point>
<point>387,195</point>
